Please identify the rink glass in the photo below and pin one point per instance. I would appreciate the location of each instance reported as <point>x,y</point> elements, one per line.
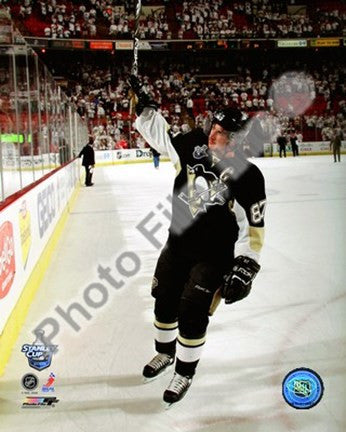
<point>39,128</point>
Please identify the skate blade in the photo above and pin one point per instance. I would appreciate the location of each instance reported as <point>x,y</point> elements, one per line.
<point>164,372</point>
<point>167,405</point>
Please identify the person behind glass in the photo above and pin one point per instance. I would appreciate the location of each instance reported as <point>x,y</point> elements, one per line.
<point>88,161</point>
<point>282,142</point>
<point>294,144</point>
<point>299,138</point>
<point>215,236</point>
<point>156,157</point>
<point>335,145</point>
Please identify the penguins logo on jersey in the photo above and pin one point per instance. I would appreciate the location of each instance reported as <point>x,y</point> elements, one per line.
<point>200,151</point>
<point>204,189</point>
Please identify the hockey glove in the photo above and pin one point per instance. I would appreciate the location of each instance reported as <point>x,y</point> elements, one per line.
<point>237,284</point>
<point>144,100</point>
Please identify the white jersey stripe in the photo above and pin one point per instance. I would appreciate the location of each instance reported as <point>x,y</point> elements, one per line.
<point>244,244</point>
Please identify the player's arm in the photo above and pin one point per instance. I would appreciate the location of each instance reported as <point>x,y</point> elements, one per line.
<point>151,124</point>
<point>154,129</point>
<point>81,153</point>
<point>249,210</point>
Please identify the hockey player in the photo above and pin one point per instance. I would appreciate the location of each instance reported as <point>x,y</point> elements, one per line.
<point>215,236</point>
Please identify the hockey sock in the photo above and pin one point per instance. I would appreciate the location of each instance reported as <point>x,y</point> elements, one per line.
<point>165,337</point>
<point>188,354</point>
<point>186,368</point>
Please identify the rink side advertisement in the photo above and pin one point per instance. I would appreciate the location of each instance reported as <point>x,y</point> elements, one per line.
<point>25,228</point>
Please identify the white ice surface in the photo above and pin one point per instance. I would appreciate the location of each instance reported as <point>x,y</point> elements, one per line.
<point>294,317</point>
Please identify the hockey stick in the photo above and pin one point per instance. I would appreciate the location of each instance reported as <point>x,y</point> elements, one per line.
<point>136,37</point>
<point>134,70</point>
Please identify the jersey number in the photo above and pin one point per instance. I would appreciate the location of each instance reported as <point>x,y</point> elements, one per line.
<point>257,212</point>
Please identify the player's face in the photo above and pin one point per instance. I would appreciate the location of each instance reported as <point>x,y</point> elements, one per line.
<point>219,139</point>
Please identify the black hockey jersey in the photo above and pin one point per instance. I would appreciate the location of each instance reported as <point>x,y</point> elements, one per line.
<point>218,205</point>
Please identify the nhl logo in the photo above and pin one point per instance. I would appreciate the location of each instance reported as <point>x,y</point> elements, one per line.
<point>302,388</point>
<point>29,381</point>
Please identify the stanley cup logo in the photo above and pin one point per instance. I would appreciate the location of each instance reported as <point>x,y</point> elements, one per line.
<point>38,354</point>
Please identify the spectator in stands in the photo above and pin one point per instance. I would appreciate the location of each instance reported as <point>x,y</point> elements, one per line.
<point>122,143</point>
<point>195,19</point>
<point>101,94</point>
<point>189,107</point>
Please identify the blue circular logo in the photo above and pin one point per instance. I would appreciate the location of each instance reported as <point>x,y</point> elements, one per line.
<point>302,388</point>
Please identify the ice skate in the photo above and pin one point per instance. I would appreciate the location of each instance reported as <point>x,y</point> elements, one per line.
<point>159,365</point>
<point>177,389</point>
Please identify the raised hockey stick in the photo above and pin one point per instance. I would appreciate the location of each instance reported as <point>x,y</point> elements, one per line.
<point>134,70</point>
<point>136,38</point>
